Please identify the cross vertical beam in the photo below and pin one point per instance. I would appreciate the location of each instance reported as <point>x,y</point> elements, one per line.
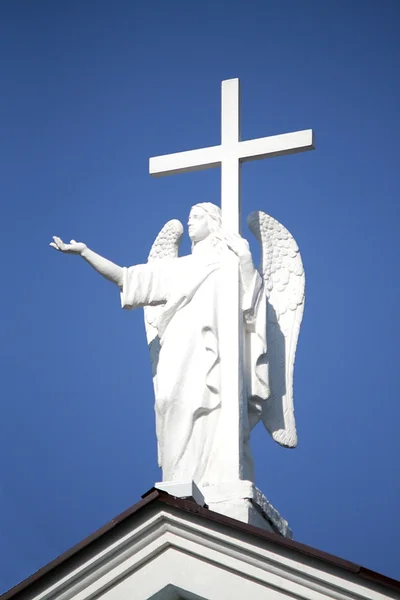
<point>230,166</point>
<point>229,318</point>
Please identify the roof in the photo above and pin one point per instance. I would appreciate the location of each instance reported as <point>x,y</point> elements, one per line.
<point>155,496</point>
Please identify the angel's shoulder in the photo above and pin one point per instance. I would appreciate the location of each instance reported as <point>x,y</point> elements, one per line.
<point>183,262</point>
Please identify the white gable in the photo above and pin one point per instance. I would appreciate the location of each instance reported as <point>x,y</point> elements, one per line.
<point>164,553</point>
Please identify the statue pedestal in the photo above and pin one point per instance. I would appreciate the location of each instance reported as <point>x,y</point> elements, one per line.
<point>182,489</point>
<point>240,500</point>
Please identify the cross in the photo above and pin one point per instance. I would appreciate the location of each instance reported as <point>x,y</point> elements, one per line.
<point>229,155</point>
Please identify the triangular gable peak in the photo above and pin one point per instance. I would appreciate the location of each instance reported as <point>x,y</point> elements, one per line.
<point>166,548</point>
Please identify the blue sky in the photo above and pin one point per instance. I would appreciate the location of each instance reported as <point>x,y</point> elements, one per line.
<point>91,90</point>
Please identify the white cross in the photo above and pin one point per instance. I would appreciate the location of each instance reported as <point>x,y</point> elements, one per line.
<point>229,155</point>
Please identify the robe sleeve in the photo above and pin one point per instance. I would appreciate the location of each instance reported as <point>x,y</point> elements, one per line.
<point>144,285</point>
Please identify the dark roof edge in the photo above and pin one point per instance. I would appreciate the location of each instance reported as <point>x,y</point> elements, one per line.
<point>191,507</point>
<point>279,540</point>
<point>150,497</point>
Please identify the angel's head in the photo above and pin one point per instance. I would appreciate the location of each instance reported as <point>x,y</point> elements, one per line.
<point>204,221</point>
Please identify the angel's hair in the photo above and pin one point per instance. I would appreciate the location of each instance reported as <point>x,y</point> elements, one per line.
<point>213,213</point>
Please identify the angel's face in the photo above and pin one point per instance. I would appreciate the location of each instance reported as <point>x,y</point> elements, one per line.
<point>198,225</point>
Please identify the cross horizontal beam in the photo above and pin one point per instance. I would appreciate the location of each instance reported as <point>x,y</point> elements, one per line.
<point>205,158</point>
<point>181,162</point>
<point>276,145</point>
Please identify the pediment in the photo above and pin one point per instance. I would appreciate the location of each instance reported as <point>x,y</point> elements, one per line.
<point>166,553</point>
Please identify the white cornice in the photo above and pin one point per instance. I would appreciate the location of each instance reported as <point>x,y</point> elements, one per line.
<point>168,537</point>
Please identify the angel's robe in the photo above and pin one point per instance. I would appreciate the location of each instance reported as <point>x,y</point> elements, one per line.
<point>186,369</point>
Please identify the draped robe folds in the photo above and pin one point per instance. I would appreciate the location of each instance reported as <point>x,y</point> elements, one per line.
<point>186,371</point>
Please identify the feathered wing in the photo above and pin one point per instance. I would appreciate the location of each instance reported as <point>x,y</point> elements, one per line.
<point>166,245</point>
<point>284,284</point>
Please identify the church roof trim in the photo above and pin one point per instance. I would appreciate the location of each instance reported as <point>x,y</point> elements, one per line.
<point>189,506</point>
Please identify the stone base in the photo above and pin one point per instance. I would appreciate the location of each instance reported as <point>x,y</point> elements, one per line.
<point>243,501</point>
<point>239,500</point>
<point>182,489</point>
<point>242,510</point>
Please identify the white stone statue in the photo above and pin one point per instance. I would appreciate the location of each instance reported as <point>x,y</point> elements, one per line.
<point>181,299</point>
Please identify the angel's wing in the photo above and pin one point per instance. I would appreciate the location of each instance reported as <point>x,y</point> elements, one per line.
<point>284,282</point>
<point>166,245</point>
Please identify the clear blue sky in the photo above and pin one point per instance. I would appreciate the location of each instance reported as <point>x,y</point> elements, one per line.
<point>91,90</point>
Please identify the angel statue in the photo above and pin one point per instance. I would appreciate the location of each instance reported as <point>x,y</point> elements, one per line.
<point>180,297</point>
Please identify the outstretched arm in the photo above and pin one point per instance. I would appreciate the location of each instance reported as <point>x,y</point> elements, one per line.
<point>105,267</point>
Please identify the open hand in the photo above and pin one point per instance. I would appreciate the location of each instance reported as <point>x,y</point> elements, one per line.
<point>237,244</point>
<point>72,248</point>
